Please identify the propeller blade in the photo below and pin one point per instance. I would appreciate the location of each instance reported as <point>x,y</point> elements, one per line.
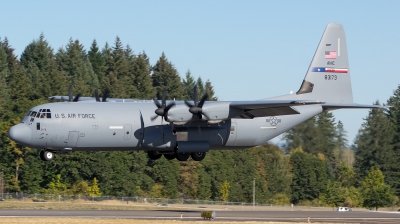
<point>188,103</point>
<point>96,95</point>
<point>70,97</point>
<point>62,99</point>
<point>76,99</point>
<point>156,102</point>
<point>105,93</point>
<point>195,95</point>
<point>169,106</point>
<point>164,97</point>
<point>203,99</point>
<point>154,117</point>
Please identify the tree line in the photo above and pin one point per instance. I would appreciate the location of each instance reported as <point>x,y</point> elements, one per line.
<point>316,165</point>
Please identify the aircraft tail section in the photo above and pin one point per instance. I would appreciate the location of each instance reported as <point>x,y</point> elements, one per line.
<point>328,77</point>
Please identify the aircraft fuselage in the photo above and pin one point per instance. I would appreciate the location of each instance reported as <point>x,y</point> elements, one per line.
<point>93,126</point>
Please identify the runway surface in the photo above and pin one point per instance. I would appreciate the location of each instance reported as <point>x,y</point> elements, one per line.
<point>277,216</point>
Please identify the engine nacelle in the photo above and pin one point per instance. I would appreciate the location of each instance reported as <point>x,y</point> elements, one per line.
<point>216,111</point>
<point>219,111</point>
<point>179,114</point>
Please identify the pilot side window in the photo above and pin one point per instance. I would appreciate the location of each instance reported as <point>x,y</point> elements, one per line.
<point>38,114</point>
<point>48,114</point>
<point>43,113</point>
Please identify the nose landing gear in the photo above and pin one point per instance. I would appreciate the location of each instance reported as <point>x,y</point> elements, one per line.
<point>46,155</point>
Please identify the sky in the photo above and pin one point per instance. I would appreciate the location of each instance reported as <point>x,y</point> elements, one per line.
<point>249,50</point>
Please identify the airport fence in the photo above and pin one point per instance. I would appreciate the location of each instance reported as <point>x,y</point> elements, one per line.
<point>153,201</point>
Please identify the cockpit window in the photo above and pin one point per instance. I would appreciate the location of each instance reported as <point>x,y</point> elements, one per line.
<point>29,112</point>
<point>43,113</point>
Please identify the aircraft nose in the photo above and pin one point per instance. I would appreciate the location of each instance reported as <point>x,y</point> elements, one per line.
<point>20,133</point>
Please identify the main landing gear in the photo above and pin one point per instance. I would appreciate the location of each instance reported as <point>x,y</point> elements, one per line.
<point>46,155</point>
<point>196,156</point>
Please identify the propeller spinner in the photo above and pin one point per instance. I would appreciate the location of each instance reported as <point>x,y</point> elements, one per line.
<point>197,107</point>
<point>163,108</point>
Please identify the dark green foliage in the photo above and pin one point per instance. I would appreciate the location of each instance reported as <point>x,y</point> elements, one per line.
<point>316,135</point>
<point>374,190</point>
<point>310,176</point>
<point>188,84</point>
<point>374,148</point>
<point>166,173</point>
<point>40,72</point>
<point>393,114</point>
<point>143,82</point>
<point>97,60</point>
<point>166,76</point>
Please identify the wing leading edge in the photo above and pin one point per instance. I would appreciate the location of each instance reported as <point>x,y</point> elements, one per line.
<point>265,108</point>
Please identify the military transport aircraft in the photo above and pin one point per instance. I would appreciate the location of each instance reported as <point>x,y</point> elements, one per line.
<point>180,129</point>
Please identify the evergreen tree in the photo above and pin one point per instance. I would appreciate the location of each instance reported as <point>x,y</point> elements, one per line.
<point>209,89</point>
<point>302,136</point>
<point>393,114</point>
<point>244,170</point>
<point>188,84</point>
<point>374,147</point>
<point>72,62</point>
<point>200,86</point>
<point>188,179</point>
<point>341,136</point>
<point>143,82</point>
<point>165,173</point>
<point>325,140</point>
<point>310,176</point>
<point>166,76</point>
<point>97,61</point>
<point>4,88</point>
<point>37,59</point>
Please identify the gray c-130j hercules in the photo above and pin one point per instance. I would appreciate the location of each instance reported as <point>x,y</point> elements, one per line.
<point>180,129</point>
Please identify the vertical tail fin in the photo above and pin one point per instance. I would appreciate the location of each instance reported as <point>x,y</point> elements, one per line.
<point>328,77</point>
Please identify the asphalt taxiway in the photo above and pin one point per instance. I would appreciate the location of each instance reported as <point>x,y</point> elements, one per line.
<point>266,216</point>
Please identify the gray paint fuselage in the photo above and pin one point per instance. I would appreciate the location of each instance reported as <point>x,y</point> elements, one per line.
<point>95,126</point>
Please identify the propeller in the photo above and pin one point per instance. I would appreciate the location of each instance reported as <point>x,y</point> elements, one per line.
<point>196,108</point>
<point>96,95</point>
<point>163,108</point>
<point>103,98</point>
<point>71,98</point>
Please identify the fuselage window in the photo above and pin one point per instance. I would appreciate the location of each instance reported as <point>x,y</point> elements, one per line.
<point>37,126</point>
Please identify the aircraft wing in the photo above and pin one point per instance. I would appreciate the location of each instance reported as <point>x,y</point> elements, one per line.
<point>264,108</point>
